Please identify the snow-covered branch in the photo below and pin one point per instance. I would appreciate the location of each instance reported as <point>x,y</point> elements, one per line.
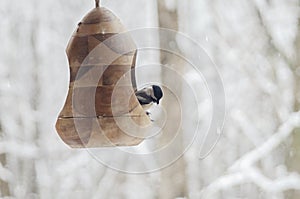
<point>244,169</point>
<point>260,152</point>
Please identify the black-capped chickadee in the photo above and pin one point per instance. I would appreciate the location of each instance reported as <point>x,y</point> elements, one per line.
<point>149,95</point>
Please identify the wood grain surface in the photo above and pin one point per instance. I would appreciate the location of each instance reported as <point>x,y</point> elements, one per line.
<point>100,56</point>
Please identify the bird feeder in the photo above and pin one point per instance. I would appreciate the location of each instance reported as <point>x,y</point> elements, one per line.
<point>99,56</point>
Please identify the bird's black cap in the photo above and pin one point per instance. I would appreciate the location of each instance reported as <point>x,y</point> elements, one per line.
<point>157,93</point>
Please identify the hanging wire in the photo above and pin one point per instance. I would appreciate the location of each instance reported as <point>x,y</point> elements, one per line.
<point>97,3</point>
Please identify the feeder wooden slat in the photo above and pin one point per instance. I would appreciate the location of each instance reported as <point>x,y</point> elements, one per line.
<point>107,27</point>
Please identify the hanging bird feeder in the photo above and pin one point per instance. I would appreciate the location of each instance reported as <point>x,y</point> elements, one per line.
<point>99,56</point>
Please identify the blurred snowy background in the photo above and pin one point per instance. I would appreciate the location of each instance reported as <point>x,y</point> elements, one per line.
<point>256,47</point>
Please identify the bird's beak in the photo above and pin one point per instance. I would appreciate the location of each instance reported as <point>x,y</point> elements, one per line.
<point>157,101</point>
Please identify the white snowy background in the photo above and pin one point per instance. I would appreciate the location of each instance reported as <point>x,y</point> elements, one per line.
<point>256,47</point>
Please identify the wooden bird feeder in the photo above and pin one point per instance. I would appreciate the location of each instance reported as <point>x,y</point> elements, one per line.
<point>99,56</point>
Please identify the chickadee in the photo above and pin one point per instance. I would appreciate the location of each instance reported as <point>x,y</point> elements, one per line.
<point>149,95</point>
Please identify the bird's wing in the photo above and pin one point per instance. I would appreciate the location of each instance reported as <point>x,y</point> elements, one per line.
<point>143,97</point>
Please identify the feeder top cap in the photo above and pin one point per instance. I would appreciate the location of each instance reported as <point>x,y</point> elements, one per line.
<point>98,15</point>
